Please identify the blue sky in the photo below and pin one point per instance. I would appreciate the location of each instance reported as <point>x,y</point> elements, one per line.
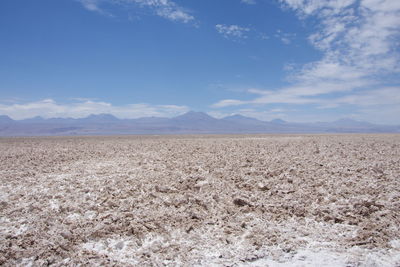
<point>299,60</point>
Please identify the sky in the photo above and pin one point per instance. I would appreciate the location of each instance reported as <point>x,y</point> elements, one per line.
<point>297,60</point>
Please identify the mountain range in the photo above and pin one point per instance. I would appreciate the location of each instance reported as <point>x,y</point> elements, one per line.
<point>188,123</point>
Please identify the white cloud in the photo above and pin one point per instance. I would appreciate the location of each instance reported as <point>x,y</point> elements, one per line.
<point>94,5</point>
<point>263,36</point>
<point>285,37</point>
<point>380,105</point>
<point>354,35</point>
<point>48,108</point>
<point>91,5</point>
<point>377,97</point>
<point>359,41</point>
<point>228,103</point>
<point>249,2</point>
<point>232,31</point>
<point>288,96</point>
<point>163,8</point>
<point>166,9</point>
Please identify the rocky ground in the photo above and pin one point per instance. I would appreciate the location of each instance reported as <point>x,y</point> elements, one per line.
<point>260,200</point>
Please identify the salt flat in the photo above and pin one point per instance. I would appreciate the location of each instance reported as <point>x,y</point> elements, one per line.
<point>257,200</point>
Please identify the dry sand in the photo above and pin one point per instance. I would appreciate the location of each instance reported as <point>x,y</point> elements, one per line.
<point>263,200</point>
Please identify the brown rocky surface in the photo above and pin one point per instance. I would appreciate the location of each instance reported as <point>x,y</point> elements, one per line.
<point>262,200</point>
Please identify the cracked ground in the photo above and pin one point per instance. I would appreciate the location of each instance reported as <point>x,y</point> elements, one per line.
<point>228,200</point>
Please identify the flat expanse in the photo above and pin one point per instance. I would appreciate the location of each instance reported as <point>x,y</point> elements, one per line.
<point>261,200</point>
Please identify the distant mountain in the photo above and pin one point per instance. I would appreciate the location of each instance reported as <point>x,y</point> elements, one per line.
<point>193,116</point>
<point>149,120</point>
<point>278,121</point>
<point>33,120</point>
<point>94,118</point>
<point>188,123</point>
<point>347,125</point>
<point>4,119</point>
<point>99,118</point>
<point>243,119</point>
<point>193,122</point>
<point>345,122</point>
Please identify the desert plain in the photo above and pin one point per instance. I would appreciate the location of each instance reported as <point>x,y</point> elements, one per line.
<point>227,200</point>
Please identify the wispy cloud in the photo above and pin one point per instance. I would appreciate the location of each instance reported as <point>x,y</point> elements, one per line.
<point>232,31</point>
<point>91,5</point>
<point>94,5</point>
<point>48,108</point>
<point>285,37</point>
<point>358,39</point>
<point>163,8</point>
<point>166,9</point>
<point>360,63</point>
<point>229,102</point>
<point>305,95</point>
<point>381,96</point>
<point>249,2</point>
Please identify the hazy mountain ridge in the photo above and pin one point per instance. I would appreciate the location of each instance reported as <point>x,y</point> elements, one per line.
<point>188,123</point>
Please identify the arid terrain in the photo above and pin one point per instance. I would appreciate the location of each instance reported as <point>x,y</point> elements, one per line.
<point>257,200</point>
